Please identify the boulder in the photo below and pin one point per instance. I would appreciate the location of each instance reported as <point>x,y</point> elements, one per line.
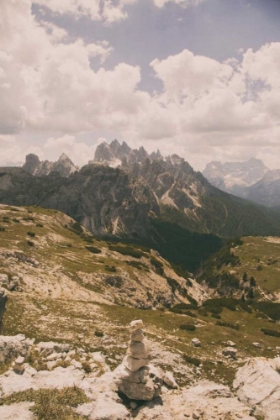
<point>18,365</point>
<point>13,346</point>
<point>196,342</point>
<point>169,380</point>
<point>257,345</point>
<point>230,352</point>
<point>258,385</point>
<point>48,348</point>
<point>230,343</point>
<point>143,385</point>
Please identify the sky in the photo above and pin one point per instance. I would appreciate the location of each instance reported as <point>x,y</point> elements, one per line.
<point>200,78</point>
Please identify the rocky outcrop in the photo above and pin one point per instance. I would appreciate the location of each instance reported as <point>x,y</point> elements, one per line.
<point>120,200</point>
<point>116,154</point>
<point>64,166</point>
<point>3,301</point>
<point>12,347</point>
<point>258,386</point>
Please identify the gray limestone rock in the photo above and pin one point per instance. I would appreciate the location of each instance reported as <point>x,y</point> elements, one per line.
<point>230,352</point>
<point>258,386</point>
<point>18,411</point>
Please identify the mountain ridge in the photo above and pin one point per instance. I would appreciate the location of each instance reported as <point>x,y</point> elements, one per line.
<point>250,180</point>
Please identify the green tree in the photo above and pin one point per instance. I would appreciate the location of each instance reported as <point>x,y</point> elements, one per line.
<point>253,282</point>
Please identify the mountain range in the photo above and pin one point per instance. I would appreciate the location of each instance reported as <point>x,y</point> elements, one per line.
<point>139,197</point>
<point>251,180</point>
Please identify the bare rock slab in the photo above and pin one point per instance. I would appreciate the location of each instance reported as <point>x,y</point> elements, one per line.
<point>258,386</point>
<point>16,411</point>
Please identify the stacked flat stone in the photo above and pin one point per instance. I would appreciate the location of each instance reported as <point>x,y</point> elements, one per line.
<point>137,353</point>
<point>138,379</point>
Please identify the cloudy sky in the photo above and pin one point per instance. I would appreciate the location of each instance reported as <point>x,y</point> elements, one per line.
<point>200,78</point>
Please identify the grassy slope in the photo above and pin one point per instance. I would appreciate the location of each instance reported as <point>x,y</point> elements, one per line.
<point>258,257</point>
<point>77,321</point>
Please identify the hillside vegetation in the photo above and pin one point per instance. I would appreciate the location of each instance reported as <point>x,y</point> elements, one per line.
<point>65,285</point>
<point>246,268</point>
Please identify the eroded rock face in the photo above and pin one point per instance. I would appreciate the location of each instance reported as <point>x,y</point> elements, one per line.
<point>258,386</point>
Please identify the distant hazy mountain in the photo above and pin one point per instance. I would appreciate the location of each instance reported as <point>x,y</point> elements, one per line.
<point>267,190</point>
<point>64,166</point>
<point>233,177</point>
<point>251,180</point>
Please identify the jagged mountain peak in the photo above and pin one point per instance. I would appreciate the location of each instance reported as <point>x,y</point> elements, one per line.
<point>64,166</point>
<point>64,157</point>
<point>114,154</point>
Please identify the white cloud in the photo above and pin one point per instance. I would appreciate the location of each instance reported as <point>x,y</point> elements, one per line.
<point>90,8</point>
<point>108,11</point>
<point>182,3</point>
<point>206,109</point>
<point>79,152</point>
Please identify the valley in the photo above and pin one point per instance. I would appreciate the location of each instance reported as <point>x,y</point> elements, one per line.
<point>84,253</point>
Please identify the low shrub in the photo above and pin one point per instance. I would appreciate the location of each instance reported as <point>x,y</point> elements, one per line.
<point>203,312</point>
<point>31,234</point>
<point>99,333</point>
<point>30,243</point>
<point>272,333</point>
<point>158,266</point>
<point>189,313</point>
<point>126,250</point>
<point>93,249</point>
<point>77,227</point>
<point>86,366</point>
<point>114,281</point>
<point>272,310</point>
<point>137,264</point>
<point>228,325</point>
<point>111,269</point>
<point>192,360</point>
<point>187,327</point>
<point>217,316</point>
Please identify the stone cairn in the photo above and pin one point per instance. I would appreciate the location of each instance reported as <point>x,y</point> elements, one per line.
<point>139,380</point>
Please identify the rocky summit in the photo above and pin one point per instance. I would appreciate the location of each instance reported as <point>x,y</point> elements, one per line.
<point>129,197</point>
<point>64,166</point>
